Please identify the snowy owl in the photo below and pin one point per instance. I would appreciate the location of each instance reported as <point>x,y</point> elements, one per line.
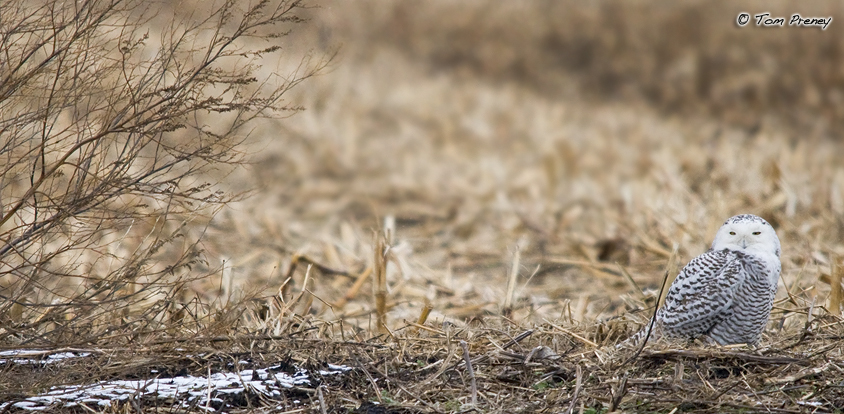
<point>727,293</point>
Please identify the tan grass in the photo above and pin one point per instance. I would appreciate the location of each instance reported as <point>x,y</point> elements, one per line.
<point>522,187</point>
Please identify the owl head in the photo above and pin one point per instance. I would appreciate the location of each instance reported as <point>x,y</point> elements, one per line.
<point>747,232</point>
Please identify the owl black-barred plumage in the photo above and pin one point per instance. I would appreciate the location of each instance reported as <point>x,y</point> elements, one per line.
<point>726,293</point>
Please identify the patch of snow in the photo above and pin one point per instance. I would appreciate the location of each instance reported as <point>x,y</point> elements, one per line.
<point>334,369</point>
<point>188,390</point>
<point>35,356</point>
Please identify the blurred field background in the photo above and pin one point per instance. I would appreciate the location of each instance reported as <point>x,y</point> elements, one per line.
<point>524,167</point>
<point>578,141</point>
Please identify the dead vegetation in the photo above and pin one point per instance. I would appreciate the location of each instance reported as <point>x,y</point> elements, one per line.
<point>106,137</point>
<point>515,178</point>
<point>496,366</point>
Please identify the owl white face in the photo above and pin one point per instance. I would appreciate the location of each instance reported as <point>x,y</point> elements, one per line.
<point>747,232</point>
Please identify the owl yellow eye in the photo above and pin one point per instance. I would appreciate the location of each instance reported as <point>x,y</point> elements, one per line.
<point>732,233</point>
<point>756,233</point>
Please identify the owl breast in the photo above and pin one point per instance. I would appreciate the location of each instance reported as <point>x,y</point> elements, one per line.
<point>752,303</point>
<point>724,294</point>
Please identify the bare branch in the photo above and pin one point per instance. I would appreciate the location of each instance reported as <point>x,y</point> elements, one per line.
<point>107,124</point>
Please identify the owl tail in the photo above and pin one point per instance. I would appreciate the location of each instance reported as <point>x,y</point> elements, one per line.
<point>640,337</point>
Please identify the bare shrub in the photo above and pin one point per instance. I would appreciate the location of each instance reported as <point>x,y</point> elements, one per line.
<point>105,127</point>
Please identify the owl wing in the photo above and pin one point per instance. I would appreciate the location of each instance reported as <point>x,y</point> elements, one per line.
<point>703,293</point>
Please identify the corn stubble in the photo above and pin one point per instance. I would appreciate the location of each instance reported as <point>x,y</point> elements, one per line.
<point>506,201</point>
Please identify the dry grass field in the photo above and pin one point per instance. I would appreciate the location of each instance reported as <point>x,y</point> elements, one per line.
<point>515,178</point>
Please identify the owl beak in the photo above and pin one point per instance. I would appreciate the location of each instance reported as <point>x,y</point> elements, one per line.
<point>743,243</point>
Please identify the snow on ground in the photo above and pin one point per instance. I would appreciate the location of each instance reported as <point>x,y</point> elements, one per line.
<point>31,356</point>
<point>190,391</point>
